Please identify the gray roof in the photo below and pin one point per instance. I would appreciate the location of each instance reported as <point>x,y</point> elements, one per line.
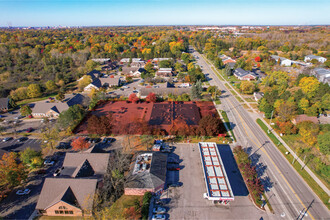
<point>45,106</point>
<point>85,162</point>
<point>321,71</point>
<point>77,192</point>
<point>4,103</point>
<point>78,99</point>
<point>164,91</point>
<point>155,177</point>
<point>94,74</point>
<point>239,72</point>
<point>313,57</point>
<point>128,70</point>
<point>275,57</point>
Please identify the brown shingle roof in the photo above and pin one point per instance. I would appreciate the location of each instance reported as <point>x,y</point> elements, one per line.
<point>79,191</point>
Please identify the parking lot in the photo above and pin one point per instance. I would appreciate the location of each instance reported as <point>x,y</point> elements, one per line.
<point>187,202</point>
<point>16,146</point>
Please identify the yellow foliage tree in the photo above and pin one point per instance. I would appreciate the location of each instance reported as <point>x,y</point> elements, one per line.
<point>309,85</point>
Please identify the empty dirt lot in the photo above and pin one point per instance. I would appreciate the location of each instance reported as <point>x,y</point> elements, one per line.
<point>187,202</point>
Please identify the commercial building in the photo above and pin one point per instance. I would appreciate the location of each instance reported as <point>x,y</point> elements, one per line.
<point>217,184</point>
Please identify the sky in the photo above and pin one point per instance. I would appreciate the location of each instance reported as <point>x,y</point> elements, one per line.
<point>163,12</point>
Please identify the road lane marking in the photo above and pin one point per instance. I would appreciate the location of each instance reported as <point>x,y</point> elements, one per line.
<point>243,122</point>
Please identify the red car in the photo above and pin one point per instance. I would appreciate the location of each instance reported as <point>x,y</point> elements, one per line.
<point>29,130</point>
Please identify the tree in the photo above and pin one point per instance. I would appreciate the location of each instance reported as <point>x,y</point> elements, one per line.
<point>85,81</point>
<point>90,65</point>
<point>247,87</point>
<point>31,157</point>
<point>196,90</point>
<point>34,91</point>
<point>19,94</point>
<point>228,71</point>
<point>79,144</point>
<point>265,107</point>
<point>303,104</point>
<point>151,97</point>
<point>326,101</point>
<point>308,132</point>
<point>178,67</point>
<point>165,64</point>
<point>149,67</point>
<point>257,59</point>
<point>71,117</point>
<point>218,63</point>
<point>60,96</point>
<point>286,111</point>
<point>99,125</point>
<point>50,85</point>
<point>12,173</point>
<point>214,91</point>
<point>133,98</point>
<point>309,85</point>
<point>210,126</point>
<point>323,143</point>
<point>25,110</point>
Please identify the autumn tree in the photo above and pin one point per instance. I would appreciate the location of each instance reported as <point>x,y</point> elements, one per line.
<point>214,91</point>
<point>99,125</point>
<point>31,157</point>
<point>303,104</point>
<point>50,85</point>
<point>79,144</point>
<point>34,91</point>
<point>151,97</point>
<point>25,110</point>
<point>309,85</point>
<point>227,70</point>
<point>286,111</point>
<point>247,87</point>
<point>12,173</point>
<point>218,63</point>
<point>85,81</point>
<point>323,143</point>
<point>90,65</point>
<point>133,98</point>
<point>210,126</point>
<point>60,96</point>
<point>308,132</point>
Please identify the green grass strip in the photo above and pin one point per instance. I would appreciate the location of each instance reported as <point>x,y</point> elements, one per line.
<point>303,173</point>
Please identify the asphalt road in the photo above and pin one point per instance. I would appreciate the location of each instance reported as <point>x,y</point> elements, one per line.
<point>16,146</point>
<point>289,195</point>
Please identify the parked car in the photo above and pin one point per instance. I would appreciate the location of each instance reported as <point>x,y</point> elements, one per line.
<point>160,210</point>
<point>29,130</point>
<point>7,139</point>
<point>63,145</point>
<point>158,202</point>
<point>22,139</point>
<point>19,117</point>
<point>1,116</point>
<point>23,192</point>
<point>42,171</point>
<point>49,162</point>
<point>158,216</point>
<point>175,185</point>
<point>96,140</point>
<point>57,172</point>
<point>108,140</point>
<point>173,168</point>
<point>125,87</point>
<point>11,113</point>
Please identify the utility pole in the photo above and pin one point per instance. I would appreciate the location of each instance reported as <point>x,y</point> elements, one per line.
<point>303,162</point>
<point>270,121</point>
<point>295,153</point>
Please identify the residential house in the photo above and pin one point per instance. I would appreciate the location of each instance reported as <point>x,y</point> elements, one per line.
<point>258,95</point>
<point>164,72</point>
<point>283,61</point>
<point>163,90</point>
<point>244,75</point>
<point>105,82</point>
<point>301,118</point>
<point>78,165</point>
<point>53,108</point>
<point>67,197</point>
<point>156,60</point>
<point>148,174</point>
<point>4,104</point>
<point>127,60</point>
<point>226,60</point>
<point>320,59</point>
<point>102,60</point>
<point>138,64</point>
<point>323,75</point>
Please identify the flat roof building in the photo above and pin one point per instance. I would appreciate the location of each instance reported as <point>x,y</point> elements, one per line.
<point>216,180</point>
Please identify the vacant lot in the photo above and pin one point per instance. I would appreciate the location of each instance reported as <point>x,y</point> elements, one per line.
<point>187,202</point>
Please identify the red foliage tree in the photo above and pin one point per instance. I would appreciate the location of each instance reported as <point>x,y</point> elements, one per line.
<point>210,126</point>
<point>80,144</point>
<point>151,97</point>
<point>257,59</point>
<point>133,98</point>
<point>99,125</point>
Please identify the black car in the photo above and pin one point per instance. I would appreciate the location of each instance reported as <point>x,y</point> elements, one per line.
<point>7,139</point>
<point>63,145</point>
<point>96,140</point>
<point>21,139</point>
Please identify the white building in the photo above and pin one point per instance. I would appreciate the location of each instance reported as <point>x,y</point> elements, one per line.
<point>320,59</point>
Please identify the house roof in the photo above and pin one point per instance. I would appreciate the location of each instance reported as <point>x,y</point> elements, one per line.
<point>77,192</point>
<point>164,91</point>
<point>45,106</point>
<point>239,72</point>
<point>313,57</point>
<point>4,103</point>
<point>94,74</point>
<point>321,71</point>
<point>275,57</point>
<point>84,162</point>
<point>110,81</point>
<point>152,178</point>
<point>77,99</point>
<point>129,70</point>
<point>301,118</point>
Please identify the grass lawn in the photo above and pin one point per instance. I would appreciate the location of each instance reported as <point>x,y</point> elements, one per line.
<point>303,173</point>
<point>250,100</point>
<point>239,98</point>
<point>117,209</point>
<point>217,102</point>
<point>226,119</point>
<point>26,101</point>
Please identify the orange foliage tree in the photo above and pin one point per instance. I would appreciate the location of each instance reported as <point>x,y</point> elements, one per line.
<point>12,173</point>
<point>133,98</point>
<point>151,97</point>
<point>80,144</point>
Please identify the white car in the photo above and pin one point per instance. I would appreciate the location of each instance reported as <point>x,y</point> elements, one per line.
<point>49,162</point>
<point>23,192</point>
<point>158,216</point>
<point>160,210</point>
<point>125,87</point>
